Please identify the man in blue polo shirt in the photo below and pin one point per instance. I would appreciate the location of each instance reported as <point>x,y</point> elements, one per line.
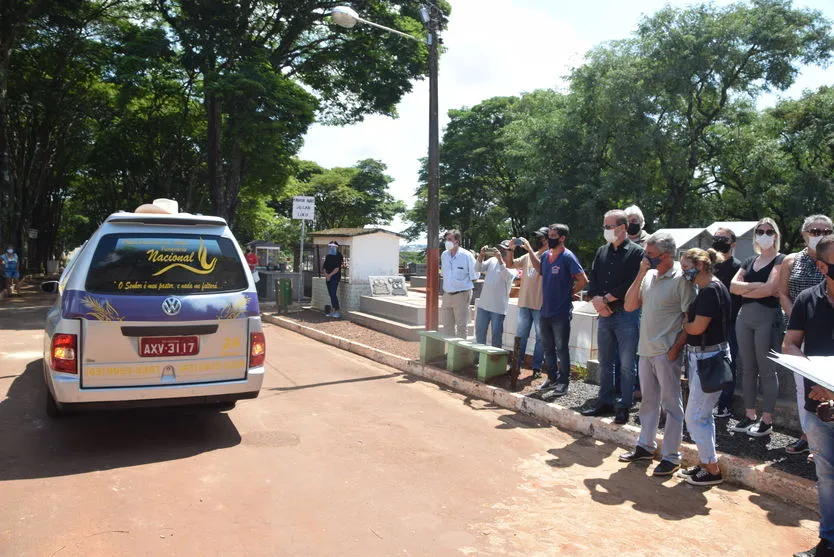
<point>562,277</point>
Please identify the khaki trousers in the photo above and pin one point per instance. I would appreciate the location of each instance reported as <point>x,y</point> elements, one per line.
<point>455,313</point>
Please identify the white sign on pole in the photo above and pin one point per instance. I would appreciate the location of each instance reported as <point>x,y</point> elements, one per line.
<point>303,207</point>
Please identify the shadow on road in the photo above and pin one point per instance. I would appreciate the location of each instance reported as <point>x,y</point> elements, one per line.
<point>340,382</point>
<point>583,451</point>
<point>33,446</point>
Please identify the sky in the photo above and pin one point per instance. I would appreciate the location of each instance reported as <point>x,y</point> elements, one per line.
<point>496,48</point>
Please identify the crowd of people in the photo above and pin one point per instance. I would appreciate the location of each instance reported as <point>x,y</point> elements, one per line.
<point>701,314</point>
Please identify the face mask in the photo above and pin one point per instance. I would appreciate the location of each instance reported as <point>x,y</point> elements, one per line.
<point>449,245</point>
<point>331,250</point>
<point>633,229</point>
<point>722,246</point>
<point>813,241</point>
<point>689,274</point>
<point>653,261</point>
<point>553,243</point>
<point>10,250</point>
<point>765,242</point>
<point>610,235</point>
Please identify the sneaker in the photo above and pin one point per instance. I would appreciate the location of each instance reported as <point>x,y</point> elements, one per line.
<point>760,429</point>
<point>639,453</point>
<point>722,413</point>
<point>704,477</point>
<point>666,468</point>
<point>797,447</point>
<point>561,390</point>
<point>547,384</point>
<point>685,473</point>
<point>336,315</point>
<point>329,314</point>
<point>743,425</point>
<point>621,416</point>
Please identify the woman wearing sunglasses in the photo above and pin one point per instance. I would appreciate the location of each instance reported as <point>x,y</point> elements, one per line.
<point>758,326</point>
<point>799,271</point>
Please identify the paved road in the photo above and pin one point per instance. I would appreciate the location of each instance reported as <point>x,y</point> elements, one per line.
<point>340,456</point>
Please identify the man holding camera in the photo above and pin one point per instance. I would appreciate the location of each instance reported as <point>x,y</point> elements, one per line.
<point>496,264</point>
<point>562,278</point>
<point>530,299</point>
<point>812,322</point>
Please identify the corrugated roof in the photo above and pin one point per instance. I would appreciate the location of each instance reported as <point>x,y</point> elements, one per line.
<point>350,232</point>
<point>739,228</point>
<point>683,236</point>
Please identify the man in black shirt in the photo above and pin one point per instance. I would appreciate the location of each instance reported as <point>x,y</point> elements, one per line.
<point>812,322</point>
<point>724,242</point>
<point>614,268</point>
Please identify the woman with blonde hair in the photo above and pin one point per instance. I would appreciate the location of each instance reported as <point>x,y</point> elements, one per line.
<point>708,320</point>
<point>799,271</point>
<point>759,326</point>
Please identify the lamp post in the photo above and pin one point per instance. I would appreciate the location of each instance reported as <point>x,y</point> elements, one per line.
<point>347,17</point>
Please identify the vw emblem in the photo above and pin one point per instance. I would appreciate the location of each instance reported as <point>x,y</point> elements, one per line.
<point>171,306</point>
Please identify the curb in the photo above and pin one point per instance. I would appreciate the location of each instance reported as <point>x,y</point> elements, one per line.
<point>755,476</point>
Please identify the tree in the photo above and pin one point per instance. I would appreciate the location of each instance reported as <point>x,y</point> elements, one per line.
<point>254,55</point>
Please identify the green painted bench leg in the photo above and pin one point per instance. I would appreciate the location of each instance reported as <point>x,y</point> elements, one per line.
<point>458,358</point>
<point>491,365</point>
<point>431,349</point>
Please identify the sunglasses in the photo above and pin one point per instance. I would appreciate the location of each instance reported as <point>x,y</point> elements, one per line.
<point>610,226</point>
<point>722,239</point>
<point>762,232</point>
<point>819,231</point>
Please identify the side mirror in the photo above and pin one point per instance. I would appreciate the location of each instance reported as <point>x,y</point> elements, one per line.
<point>50,287</point>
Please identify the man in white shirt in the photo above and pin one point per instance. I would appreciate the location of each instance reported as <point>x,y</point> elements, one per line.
<point>458,268</point>
<point>496,264</point>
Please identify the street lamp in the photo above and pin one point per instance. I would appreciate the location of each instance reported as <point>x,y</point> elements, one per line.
<point>347,17</point>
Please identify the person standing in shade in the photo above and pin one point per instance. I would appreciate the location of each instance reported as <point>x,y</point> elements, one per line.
<point>811,333</point>
<point>562,278</point>
<point>11,269</point>
<point>726,267</point>
<point>496,264</point>
<point>333,262</point>
<point>530,300</point>
<point>759,326</point>
<point>615,266</point>
<point>799,272</point>
<point>708,319</point>
<point>636,226</point>
<point>663,293</point>
<point>458,268</point>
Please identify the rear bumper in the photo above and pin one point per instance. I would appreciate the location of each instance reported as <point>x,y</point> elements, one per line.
<point>66,390</point>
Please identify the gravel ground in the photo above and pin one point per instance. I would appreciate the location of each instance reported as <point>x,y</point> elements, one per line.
<point>770,449</point>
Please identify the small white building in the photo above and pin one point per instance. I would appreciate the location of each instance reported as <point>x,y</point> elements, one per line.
<point>688,238</point>
<point>744,236</point>
<point>367,252</point>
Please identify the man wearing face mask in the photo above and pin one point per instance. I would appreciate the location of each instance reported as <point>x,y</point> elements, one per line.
<point>332,267</point>
<point>530,299</point>
<point>664,295</point>
<point>615,266</point>
<point>562,278</point>
<point>636,224</point>
<point>811,333</point>
<point>726,267</point>
<point>11,269</point>
<point>458,268</point>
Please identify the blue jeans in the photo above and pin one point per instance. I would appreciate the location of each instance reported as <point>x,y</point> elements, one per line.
<point>529,319</point>
<point>699,420</point>
<point>483,319</point>
<point>617,337</point>
<point>332,288</point>
<point>556,341</point>
<point>726,399</point>
<point>821,439</point>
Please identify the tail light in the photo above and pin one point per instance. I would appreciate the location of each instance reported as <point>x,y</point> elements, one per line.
<point>257,349</point>
<point>64,353</point>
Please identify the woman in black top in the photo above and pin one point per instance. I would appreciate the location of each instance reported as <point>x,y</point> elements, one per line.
<point>707,326</point>
<point>332,267</point>
<point>759,326</point>
<point>726,267</point>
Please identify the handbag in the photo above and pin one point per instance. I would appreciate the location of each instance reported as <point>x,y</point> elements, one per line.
<point>715,373</point>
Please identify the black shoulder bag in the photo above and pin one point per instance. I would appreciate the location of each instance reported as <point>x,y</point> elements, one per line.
<point>715,373</point>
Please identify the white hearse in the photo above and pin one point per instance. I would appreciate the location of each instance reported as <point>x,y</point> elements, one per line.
<point>158,308</point>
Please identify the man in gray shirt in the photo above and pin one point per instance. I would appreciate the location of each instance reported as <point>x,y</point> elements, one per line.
<point>664,295</point>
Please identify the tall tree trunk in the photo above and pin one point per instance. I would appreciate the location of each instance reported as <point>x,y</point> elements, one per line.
<point>214,122</point>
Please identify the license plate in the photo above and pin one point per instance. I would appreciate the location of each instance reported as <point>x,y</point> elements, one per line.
<point>163,347</point>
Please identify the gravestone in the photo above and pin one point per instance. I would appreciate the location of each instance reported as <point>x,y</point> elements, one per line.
<point>388,286</point>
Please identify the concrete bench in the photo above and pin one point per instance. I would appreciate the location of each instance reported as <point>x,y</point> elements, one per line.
<point>432,345</point>
<point>492,361</point>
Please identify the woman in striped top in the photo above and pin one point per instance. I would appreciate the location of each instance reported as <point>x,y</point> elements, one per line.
<point>799,271</point>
